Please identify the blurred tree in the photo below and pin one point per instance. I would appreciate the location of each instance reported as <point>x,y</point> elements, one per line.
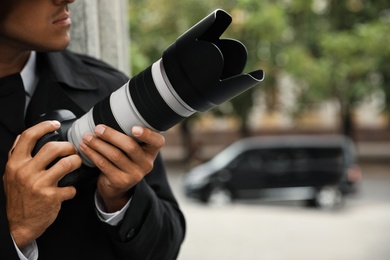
<point>263,27</point>
<point>335,49</point>
<point>377,35</point>
<point>154,26</point>
<point>337,55</point>
<point>260,25</point>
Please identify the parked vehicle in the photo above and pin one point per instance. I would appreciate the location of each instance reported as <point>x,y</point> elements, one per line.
<point>318,169</point>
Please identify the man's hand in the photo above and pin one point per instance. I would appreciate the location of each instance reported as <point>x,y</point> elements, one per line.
<point>33,197</point>
<point>123,161</point>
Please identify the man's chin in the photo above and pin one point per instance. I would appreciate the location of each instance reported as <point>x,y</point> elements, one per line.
<point>54,47</point>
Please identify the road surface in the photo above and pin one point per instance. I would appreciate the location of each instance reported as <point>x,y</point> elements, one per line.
<point>255,230</point>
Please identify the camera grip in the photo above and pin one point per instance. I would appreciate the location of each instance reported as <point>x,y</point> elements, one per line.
<point>52,136</point>
<point>66,118</point>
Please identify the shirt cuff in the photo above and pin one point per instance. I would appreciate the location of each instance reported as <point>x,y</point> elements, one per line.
<point>110,218</point>
<point>30,252</point>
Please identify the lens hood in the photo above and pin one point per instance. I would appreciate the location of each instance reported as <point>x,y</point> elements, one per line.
<point>205,70</point>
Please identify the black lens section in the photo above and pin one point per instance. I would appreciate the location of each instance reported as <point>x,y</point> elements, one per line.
<point>102,114</point>
<point>181,83</point>
<point>149,103</point>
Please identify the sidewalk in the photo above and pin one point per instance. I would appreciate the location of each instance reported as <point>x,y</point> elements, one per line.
<point>374,151</point>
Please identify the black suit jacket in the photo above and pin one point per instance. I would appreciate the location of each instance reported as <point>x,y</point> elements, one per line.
<point>153,227</point>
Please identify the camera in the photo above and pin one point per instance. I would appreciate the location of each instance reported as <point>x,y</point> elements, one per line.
<point>196,73</point>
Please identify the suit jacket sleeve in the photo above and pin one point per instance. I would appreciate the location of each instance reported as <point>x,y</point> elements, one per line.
<point>153,227</point>
<point>7,246</point>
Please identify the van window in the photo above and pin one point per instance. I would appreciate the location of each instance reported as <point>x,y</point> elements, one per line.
<point>328,153</point>
<point>250,159</point>
<point>320,156</point>
<point>277,160</point>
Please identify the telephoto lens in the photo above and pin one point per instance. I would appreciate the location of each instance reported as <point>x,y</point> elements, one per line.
<point>196,73</point>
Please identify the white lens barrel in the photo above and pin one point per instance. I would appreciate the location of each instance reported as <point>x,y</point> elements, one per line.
<point>80,127</point>
<point>124,110</point>
<point>167,92</point>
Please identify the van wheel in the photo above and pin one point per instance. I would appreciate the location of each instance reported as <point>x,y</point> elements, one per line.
<point>219,196</point>
<point>329,197</point>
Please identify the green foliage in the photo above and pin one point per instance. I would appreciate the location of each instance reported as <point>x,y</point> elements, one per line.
<point>154,25</point>
<point>341,61</point>
<point>335,49</point>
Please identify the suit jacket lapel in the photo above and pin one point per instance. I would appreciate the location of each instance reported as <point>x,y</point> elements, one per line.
<point>74,77</point>
<point>12,103</point>
<point>58,88</point>
<point>12,100</point>
<point>49,96</point>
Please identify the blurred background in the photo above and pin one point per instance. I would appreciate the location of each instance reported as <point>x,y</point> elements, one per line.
<point>327,71</point>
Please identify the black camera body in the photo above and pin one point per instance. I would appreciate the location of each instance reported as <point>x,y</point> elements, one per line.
<point>66,118</point>
<point>196,73</point>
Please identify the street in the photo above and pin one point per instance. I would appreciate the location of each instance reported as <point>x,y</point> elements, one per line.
<point>281,231</point>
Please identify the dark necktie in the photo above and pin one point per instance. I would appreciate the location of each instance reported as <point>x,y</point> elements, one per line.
<point>12,105</point>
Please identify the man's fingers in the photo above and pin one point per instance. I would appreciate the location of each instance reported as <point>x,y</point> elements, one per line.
<point>151,138</point>
<point>111,150</point>
<point>116,138</point>
<point>100,151</point>
<point>67,193</point>
<point>62,167</point>
<point>52,151</point>
<point>13,146</point>
<point>27,140</point>
<point>144,135</point>
<point>113,145</point>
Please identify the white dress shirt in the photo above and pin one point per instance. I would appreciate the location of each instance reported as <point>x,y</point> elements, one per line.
<point>30,79</point>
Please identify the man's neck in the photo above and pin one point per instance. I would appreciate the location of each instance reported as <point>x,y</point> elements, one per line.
<point>12,61</point>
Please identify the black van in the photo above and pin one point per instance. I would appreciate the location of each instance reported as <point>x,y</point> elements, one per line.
<point>318,169</point>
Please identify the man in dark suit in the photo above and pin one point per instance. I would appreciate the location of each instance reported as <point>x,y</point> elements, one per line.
<point>126,210</point>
